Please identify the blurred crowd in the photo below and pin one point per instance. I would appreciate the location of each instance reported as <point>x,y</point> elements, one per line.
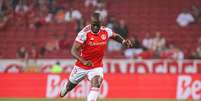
<point>36,13</point>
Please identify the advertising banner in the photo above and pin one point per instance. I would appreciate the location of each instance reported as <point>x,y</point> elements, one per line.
<point>123,66</point>
<point>149,86</point>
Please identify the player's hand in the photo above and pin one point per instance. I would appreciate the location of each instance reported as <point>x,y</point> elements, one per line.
<point>87,63</point>
<point>127,43</point>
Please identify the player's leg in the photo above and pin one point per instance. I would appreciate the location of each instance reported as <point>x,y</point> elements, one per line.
<point>67,87</point>
<point>96,77</point>
<point>95,87</point>
<point>76,76</point>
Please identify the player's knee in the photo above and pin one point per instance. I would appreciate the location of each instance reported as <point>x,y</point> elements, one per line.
<point>96,81</point>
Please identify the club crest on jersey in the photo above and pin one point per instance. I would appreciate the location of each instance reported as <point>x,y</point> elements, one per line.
<point>103,36</point>
<point>91,38</point>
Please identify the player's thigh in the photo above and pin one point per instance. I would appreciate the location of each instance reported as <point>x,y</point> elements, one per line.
<point>95,76</point>
<point>77,75</point>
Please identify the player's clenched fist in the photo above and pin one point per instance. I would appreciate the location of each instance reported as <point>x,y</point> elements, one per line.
<point>86,62</point>
<point>127,43</point>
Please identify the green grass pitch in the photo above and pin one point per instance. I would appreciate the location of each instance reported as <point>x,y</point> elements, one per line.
<point>9,99</point>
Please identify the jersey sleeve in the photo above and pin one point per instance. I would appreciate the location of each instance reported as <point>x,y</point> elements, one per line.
<point>81,37</point>
<point>109,31</point>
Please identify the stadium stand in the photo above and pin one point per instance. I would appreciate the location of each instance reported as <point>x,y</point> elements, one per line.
<point>141,16</point>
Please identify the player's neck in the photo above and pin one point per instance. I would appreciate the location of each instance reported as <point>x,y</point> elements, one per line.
<point>95,33</point>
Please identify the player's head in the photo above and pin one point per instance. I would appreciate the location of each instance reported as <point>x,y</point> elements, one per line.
<point>95,22</point>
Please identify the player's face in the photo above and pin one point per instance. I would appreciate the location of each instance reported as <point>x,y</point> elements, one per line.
<point>95,27</point>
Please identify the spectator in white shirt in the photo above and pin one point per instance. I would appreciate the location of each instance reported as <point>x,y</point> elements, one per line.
<point>185,18</point>
<point>102,11</point>
<point>158,42</point>
<point>147,41</point>
<point>73,14</point>
<point>21,8</point>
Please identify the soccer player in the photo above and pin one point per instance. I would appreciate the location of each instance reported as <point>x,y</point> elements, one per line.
<point>88,49</point>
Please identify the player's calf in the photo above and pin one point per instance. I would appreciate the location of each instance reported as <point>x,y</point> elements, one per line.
<point>68,86</point>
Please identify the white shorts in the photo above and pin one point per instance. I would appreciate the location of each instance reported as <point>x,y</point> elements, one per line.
<point>78,74</point>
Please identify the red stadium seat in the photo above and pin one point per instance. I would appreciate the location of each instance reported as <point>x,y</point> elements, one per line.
<point>140,15</point>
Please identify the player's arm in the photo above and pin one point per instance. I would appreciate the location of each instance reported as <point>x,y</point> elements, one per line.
<point>75,51</point>
<point>125,42</point>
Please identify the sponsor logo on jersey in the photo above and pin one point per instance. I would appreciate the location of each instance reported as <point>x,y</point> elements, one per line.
<point>103,36</point>
<point>97,43</point>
